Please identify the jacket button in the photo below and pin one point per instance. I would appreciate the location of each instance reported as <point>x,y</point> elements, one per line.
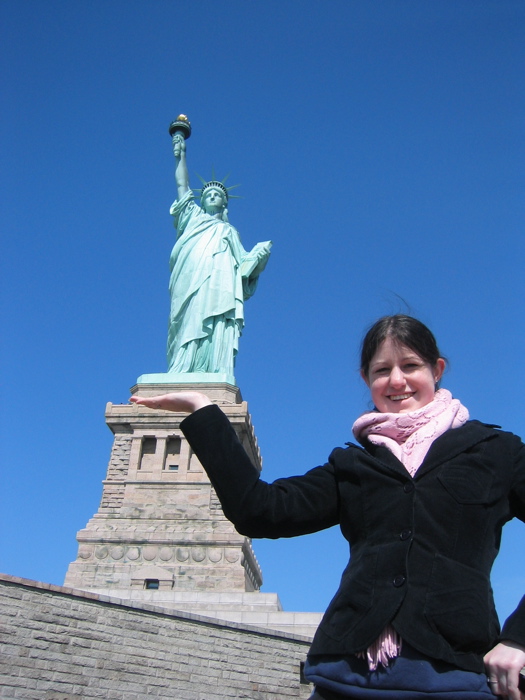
<point>408,487</point>
<point>405,534</point>
<point>399,581</point>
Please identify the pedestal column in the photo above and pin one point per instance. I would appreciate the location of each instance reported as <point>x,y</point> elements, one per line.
<point>160,524</point>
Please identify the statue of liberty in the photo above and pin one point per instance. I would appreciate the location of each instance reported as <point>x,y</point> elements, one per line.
<point>211,273</point>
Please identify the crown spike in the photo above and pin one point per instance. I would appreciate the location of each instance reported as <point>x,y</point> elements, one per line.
<point>219,184</point>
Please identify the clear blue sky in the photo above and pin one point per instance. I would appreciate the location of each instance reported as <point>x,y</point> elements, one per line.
<point>380,145</point>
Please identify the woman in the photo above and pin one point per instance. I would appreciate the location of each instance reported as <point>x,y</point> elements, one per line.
<point>422,502</point>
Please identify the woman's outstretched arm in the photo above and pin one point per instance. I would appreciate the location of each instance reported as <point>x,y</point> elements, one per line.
<point>288,507</point>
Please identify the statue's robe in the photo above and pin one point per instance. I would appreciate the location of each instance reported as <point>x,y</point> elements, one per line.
<point>211,276</point>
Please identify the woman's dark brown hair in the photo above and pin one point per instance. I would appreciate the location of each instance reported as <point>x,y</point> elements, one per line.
<point>404,330</point>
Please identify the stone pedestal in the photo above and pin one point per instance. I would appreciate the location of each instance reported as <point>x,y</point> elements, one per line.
<point>160,525</point>
<point>160,536</point>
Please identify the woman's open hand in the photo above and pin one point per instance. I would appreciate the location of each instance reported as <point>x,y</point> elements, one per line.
<point>502,666</point>
<point>180,402</point>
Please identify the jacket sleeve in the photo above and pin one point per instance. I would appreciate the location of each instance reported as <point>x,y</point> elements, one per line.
<point>514,627</point>
<point>288,507</point>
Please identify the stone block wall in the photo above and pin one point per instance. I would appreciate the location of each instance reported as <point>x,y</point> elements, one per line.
<point>63,644</point>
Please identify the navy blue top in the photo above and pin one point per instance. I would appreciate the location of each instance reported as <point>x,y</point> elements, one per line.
<point>411,675</point>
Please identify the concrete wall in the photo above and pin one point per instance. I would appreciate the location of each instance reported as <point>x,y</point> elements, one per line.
<point>63,644</point>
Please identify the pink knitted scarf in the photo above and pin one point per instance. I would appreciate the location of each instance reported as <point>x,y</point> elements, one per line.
<point>409,437</point>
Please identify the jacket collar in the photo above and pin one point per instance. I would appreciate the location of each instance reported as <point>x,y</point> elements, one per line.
<point>453,442</point>
<point>443,449</point>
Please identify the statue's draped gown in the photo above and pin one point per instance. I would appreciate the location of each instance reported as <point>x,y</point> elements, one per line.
<point>211,276</point>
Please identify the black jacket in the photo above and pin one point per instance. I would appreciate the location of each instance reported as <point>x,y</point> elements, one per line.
<point>421,547</point>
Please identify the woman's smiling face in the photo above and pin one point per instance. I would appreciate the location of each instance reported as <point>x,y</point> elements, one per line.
<point>399,380</point>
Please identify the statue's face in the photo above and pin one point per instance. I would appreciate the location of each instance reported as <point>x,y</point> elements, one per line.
<point>214,201</point>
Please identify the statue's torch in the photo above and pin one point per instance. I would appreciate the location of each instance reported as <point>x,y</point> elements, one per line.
<point>180,125</point>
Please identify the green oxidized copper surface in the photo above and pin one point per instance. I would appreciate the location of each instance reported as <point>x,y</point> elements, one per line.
<point>211,275</point>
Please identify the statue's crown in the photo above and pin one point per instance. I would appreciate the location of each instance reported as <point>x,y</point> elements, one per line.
<point>218,184</point>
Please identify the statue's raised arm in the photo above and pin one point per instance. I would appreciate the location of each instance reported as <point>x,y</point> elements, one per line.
<point>211,274</point>
<point>182,177</point>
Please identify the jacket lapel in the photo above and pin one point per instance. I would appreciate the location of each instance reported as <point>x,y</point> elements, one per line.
<point>445,447</point>
<point>452,443</point>
<point>386,458</point>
